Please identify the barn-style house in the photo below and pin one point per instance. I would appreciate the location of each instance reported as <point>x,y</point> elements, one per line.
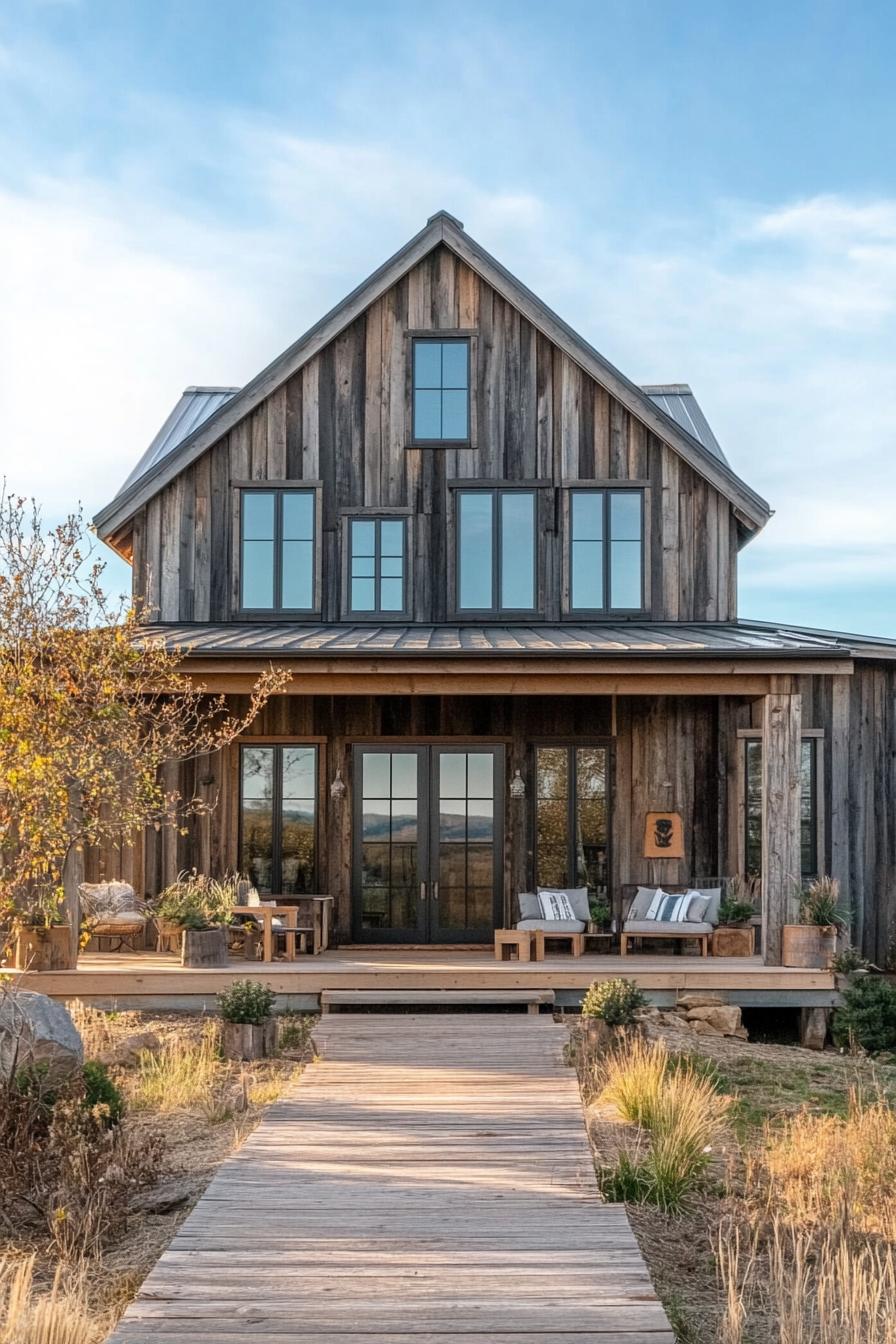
<point>504,578</point>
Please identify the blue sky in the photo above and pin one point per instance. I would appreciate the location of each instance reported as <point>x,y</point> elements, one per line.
<point>706,191</point>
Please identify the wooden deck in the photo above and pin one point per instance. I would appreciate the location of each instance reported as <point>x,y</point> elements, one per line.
<point>127,980</point>
<point>429,1181</point>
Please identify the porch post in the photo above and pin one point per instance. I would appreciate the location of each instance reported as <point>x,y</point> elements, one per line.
<point>781,737</point>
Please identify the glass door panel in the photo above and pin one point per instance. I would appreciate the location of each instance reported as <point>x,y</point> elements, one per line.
<point>466,870</point>
<point>389,844</point>
<point>572,832</point>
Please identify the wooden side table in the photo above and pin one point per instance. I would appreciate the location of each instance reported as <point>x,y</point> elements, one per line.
<point>732,941</point>
<point>576,942</point>
<point>508,940</point>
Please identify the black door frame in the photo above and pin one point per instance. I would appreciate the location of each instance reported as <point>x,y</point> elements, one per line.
<point>427,928</point>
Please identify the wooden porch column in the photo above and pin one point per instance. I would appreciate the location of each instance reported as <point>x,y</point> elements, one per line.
<point>781,737</point>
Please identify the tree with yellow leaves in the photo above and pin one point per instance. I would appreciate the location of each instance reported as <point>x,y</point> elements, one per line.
<point>91,708</point>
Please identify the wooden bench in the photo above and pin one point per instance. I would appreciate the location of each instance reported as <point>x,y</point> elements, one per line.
<point>435,998</point>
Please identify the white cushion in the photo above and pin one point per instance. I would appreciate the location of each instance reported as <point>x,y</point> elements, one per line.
<point>554,905</point>
<point>659,927</point>
<point>553,925</point>
<point>577,897</point>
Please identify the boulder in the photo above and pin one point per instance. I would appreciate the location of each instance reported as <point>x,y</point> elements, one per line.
<point>721,1018</point>
<point>702,1028</point>
<point>698,1000</point>
<point>126,1052</point>
<point>36,1032</point>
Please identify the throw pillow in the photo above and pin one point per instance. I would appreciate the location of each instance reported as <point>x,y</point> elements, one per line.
<point>555,905</point>
<point>656,904</point>
<point>697,908</point>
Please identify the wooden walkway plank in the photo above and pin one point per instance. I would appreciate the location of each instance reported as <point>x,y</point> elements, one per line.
<point>427,1181</point>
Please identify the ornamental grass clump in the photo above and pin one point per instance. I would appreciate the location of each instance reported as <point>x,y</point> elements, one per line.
<point>60,1314</point>
<point>680,1115</point>
<point>182,1075</point>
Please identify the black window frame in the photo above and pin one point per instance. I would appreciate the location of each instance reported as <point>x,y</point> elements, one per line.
<point>812,823</point>
<point>377,612</point>
<point>277,810</point>
<point>278,491</point>
<point>496,492</point>
<point>571,746</point>
<point>440,338</point>
<point>606,543</point>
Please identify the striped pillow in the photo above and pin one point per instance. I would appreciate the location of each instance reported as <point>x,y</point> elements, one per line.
<point>555,905</point>
<point>666,909</point>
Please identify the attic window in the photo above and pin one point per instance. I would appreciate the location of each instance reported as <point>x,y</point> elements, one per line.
<point>277,550</point>
<point>441,391</point>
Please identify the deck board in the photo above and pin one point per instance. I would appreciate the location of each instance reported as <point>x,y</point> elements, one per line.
<point>428,1181</point>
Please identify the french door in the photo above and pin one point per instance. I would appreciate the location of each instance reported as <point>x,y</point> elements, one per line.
<point>427,852</point>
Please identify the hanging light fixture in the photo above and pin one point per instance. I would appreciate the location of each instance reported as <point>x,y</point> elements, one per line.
<point>337,788</point>
<point>517,786</point>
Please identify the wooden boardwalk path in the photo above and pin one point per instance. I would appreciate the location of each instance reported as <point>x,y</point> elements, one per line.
<point>428,1181</point>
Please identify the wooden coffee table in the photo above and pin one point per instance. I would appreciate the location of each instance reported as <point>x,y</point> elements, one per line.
<point>576,942</point>
<point>508,940</point>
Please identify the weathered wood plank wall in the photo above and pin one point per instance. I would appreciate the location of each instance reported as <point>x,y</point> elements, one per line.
<point>343,421</point>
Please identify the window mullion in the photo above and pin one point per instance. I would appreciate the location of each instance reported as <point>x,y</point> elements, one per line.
<point>608,552</point>
<point>278,550</point>
<point>377,567</point>
<point>497,544</point>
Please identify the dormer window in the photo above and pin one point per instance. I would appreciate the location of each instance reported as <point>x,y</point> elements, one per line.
<point>441,391</point>
<point>277,545</point>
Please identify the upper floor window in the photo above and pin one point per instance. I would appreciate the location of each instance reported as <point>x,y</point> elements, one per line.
<point>495,550</point>
<point>377,566</point>
<point>277,550</point>
<point>606,560</point>
<point>441,394</point>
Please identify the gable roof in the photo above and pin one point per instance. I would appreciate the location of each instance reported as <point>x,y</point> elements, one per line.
<point>679,402</point>
<point>442,228</point>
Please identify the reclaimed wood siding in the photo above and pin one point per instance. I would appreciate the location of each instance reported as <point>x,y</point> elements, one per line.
<point>343,420</point>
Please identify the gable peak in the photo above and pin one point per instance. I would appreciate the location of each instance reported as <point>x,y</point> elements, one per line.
<point>444,216</point>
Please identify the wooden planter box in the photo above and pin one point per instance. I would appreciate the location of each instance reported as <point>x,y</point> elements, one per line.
<point>245,1040</point>
<point>733,940</point>
<point>808,945</point>
<point>204,947</point>
<point>45,949</point>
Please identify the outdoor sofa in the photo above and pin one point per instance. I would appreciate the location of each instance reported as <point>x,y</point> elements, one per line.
<point>656,912</point>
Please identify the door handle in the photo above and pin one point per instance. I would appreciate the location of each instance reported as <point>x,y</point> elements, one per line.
<point>435,891</point>
<point>423,891</point>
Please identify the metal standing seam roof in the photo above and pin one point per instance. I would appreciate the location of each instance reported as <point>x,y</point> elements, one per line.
<point>195,406</point>
<point>631,639</point>
<point>679,402</point>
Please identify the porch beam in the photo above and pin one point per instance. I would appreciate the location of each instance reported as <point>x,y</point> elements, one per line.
<point>781,738</point>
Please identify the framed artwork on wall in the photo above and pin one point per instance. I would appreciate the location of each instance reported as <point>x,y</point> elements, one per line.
<point>663,836</point>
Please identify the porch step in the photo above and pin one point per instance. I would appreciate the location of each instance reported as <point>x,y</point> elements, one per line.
<point>436,998</point>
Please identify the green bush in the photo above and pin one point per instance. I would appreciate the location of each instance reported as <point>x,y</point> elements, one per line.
<point>867,1016</point>
<point>616,1002</point>
<point>246,1001</point>
<point>848,961</point>
<point>99,1090</point>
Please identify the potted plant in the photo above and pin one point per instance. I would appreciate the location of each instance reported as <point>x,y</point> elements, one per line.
<point>199,907</point>
<point>41,940</point>
<point>823,917</point>
<point>733,936</point>
<point>600,912</point>
<point>249,1030</point>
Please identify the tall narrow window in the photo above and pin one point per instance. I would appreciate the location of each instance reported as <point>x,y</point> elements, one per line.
<point>496,550</point>
<point>377,566</point>
<point>277,550</point>
<point>606,550</point>
<point>808,806</point>
<point>572,840</point>
<point>441,407</point>
<point>278,818</point>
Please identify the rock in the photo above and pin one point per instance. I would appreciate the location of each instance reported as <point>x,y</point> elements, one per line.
<point>702,1028</point>
<point>722,1018</point>
<point>126,1052</point>
<point>698,1000</point>
<point>36,1032</point>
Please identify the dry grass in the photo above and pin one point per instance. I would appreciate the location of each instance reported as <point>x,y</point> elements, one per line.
<point>59,1314</point>
<point>185,1075</point>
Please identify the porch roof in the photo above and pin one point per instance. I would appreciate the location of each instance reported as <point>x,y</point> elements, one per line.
<point>635,639</point>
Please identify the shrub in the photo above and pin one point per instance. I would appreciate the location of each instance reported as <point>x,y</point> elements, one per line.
<point>101,1095</point>
<point>246,1001</point>
<point>294,1030</point>
<point>867,1016</point>
<point>615,1002</point>
<point>848,961</point>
